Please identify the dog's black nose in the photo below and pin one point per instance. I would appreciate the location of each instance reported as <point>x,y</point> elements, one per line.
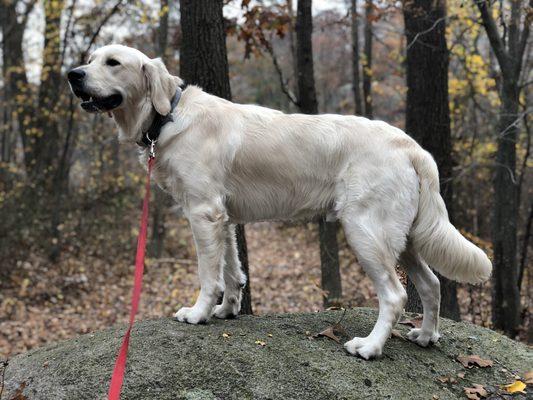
<point>76,75</point>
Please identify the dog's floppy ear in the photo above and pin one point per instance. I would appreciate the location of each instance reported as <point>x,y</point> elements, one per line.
<point>161,85</point>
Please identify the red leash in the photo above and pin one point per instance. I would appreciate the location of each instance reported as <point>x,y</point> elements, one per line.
<point>120,364</point>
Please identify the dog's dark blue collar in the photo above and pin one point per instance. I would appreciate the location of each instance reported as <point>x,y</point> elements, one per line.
<point>159,121</point>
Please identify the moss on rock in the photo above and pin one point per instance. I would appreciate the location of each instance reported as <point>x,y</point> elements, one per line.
<point>225,360</point>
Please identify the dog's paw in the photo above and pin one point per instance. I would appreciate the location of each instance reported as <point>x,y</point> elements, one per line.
<point>229,308</point>
<point>423,338</point>
<point>363,347</point>
<point>224,311</point>
<point>192,315</point>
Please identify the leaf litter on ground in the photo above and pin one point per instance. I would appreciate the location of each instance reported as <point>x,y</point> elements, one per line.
<point>477,392</point>
<point>528,377</point>
<point>334,330</point>
<point>515,387</point>
<point>473,361</point>
<point>415,322</point>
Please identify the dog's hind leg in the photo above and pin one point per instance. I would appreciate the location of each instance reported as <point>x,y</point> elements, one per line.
<point>208,223</point>
<point>372,238</point>
<point>234,278</point>
<point>428,287</point>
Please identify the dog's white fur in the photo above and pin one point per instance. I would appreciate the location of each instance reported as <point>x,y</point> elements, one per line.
<point>227,163</point>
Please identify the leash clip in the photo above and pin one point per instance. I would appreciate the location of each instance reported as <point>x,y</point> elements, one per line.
<point>152,146</point>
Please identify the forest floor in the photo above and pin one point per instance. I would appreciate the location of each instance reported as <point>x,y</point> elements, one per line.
<point>89,288</point>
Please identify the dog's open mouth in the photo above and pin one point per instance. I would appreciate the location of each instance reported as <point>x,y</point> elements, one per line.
<point>95,104</point>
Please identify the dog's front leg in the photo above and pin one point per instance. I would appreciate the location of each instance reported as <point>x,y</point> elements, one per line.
<point>208,227</point>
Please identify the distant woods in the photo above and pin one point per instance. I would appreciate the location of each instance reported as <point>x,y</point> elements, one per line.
<point>455,76</point>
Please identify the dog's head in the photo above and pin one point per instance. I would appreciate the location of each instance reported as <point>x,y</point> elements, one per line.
<point>118,77</point>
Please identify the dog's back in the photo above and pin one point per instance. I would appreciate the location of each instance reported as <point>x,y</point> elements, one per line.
<point>292,166</point>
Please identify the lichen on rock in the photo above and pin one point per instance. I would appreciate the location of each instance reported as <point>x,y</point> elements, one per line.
<point>267,357</point>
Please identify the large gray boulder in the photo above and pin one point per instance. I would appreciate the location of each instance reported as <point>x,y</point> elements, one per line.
<point>268,357</point>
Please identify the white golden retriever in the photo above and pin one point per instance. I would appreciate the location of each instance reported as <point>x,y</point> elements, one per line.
<point>227,163</point>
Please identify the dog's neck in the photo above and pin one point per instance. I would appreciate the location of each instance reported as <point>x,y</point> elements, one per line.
<point>135,121</point>
<point>146,124</point>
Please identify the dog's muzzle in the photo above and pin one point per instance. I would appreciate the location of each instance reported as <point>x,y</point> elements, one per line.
<point>91,103</point>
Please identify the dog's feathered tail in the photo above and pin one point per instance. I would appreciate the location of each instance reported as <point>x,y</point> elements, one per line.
<point>435,238</point>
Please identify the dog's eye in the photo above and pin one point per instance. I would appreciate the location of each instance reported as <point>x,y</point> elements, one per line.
<point>112,62</point>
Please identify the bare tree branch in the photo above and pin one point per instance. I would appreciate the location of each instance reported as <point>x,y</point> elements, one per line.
<point>495,39</point>
<point>502,21</point>
<point>438,21</point>
<point>464,169</point>
<point>526,157</point>
<point>514,30</point>
<point>27,12</point>
<point>283,83</point>
<point>14,22</point>
<point>525,31</point>
<point>96,33</point>
<point>67,30</point>
<point>515,122</point>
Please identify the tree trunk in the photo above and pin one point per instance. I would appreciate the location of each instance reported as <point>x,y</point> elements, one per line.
<point>292,39</point>
<point>162,33</point>
<point>45,149</point>
<point>329,257</point>
<point>509,47</point>
<point>505,292</point>
<point>367,69</point>
<point>161,199</point>
<point>355,60</point>
<point>18,99</point>
<point>203,58</point>
<point>427,113</point>
<point>246,300</point>
<point>307,100</point>
<point>47,168</point>
<point>204,61</point>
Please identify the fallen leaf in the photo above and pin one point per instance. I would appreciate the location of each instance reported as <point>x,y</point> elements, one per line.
<point>397,334</point>
<point>474,360</point>
<point>475,393</point>
<point>329,333</point>
<point>19,392</point>
<point>260,343</point>
<point>516,386</point>
<point>332,332</point>
<point>413,322</point>
<point>528,378</point>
